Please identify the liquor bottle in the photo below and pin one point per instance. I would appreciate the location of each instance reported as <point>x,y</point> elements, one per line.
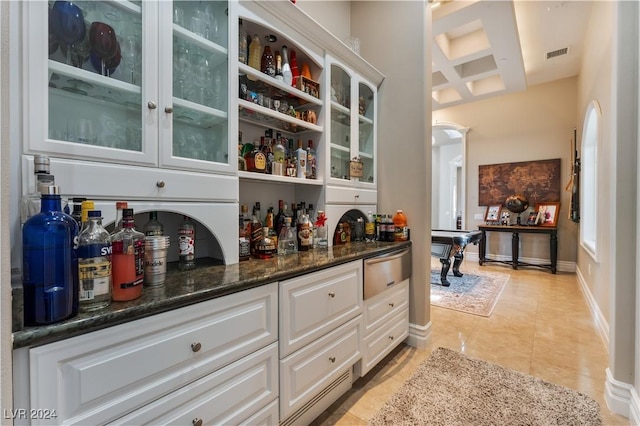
<point>76,213</point>
<point>117,224</point>
<point>279,160</point>
<point>287,76</point>
<point>321,231</point>
<point>256,160</point>
<point>265,247</point>
<point>268,63</point>
<point>242,43</point>
<point>255,55</point>
<point>287,240</point>
<point>304,233</point>
<point>127,260</point>
<point>270,224</point>
<point>49,263</point>
<point>94,264</point>
<point>256,229</point>
<point>311,161</point>
<point>84,213</point>
<point>153,226</point>
<point>280,216</point>
<point>278,59</point>
<point>301,161</point>
<point>30,203</point>
<point>381,228</point>
<point>370,228</point>
<point>244,250</point>
<point>293,63</point>
<point>391,229</point>
<point>401,232</point>
<point>186,244</point>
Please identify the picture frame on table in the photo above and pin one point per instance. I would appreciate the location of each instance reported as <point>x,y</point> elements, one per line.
<point>548,213</point>
<point>532,220</point>
<point>492,215</point>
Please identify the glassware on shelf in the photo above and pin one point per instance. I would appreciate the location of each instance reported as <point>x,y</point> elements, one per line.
<point>132,56</point>
<point>68,24</point>
<point>77,53</point>
<point>107,66</point>
<point>181,68</point>
<point>104,43</point>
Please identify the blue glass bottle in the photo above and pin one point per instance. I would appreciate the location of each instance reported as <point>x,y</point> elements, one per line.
<point>50,265</point>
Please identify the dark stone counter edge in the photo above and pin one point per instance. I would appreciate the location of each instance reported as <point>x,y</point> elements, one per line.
<point>131,311</point>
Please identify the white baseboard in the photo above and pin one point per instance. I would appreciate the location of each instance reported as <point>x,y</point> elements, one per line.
<point>599,320</point>
<point>634,408</point>
<point>562,265</point>
<point>419,335</point>
<point>618,396</point>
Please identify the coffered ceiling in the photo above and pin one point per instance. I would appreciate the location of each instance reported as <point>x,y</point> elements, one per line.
<point>487,48</point>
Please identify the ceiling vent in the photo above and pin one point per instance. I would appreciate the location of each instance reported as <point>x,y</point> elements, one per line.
<point>556,53</point>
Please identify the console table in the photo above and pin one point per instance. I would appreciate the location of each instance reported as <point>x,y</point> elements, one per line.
<point>516,230</point>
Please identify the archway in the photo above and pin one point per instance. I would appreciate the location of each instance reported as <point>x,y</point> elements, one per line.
<point>449,145</point>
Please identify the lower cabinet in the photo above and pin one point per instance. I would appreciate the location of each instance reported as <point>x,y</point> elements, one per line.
<point>386,324</point>
<point>320,339</point>
<point>162,369</point>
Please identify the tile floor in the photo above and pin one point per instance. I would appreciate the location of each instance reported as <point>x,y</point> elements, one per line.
<point>541,326</point>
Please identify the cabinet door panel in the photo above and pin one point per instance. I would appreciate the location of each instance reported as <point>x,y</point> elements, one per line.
<point>377,345</point>
<point>316,303</point>
<point>221,398</point>
<point>379,308</point>
<point>98,377</point>
<point>346,195</point>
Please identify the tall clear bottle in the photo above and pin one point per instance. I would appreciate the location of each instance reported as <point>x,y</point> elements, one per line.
<point>287,76</point>
<point>287,240</point>
<point>301,161</point>
<point>311,161</point>
<point>127,260</point>
<point>187,244</point>
<point>242,43</point>
<point>153,226</point>
<point>94,264</point>
<point>49,263</point>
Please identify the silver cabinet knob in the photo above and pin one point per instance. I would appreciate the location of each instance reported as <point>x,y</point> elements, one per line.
<point>390,337</point>
<point>332,359</point>
<point>357,196</point>
<point>332,294</point>
<point>195,347</point>
<point>160,184</point>
<point>152,105</point>
<point>197,422</point>
<point>168,109</point>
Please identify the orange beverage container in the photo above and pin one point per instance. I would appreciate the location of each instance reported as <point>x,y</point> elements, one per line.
<point>401,228</point>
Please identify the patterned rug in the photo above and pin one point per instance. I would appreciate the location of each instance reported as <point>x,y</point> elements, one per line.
<point>452,389</point>
<point>472,293</point>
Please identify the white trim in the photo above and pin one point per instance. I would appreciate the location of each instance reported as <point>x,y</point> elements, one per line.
<point>618,395</point>
<point>419,335</point>
<point>634,408</point>
<point>592,128</point>
<point>561,266</point>
<point>599,320</point>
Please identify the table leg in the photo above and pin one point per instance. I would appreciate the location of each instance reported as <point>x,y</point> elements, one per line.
<point>483,247</point>
<point>457,260</point>
<point>553,249</point>
<point>515,247</point>
<point>446,264</point>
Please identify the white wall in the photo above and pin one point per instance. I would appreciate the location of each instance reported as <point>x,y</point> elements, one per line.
<point>335,16</point>
<point>443,175</point>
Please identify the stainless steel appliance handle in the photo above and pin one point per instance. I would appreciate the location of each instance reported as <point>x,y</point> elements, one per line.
<point>385,257</point>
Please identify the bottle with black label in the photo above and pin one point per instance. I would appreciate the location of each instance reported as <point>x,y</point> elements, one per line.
<point>187,244</point>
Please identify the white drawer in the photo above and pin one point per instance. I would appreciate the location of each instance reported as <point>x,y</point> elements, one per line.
<point>267,416</point>
<point>98,377</point>
<point>380,307</point>
<point>311,369</point>
<point>221,398</point>
<point>314,304</point>
<point>123,182</point>
<point>377,345</point>
<point>350,195</point>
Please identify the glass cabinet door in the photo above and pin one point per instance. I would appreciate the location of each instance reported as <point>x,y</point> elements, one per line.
<point>94,78</point>
<point>366,131</point>
<point>194,81</point>
<point>340,123</point>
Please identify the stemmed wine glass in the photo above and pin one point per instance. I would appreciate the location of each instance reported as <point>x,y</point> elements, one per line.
<point>78,53</point>
<point>181,68</point>
<point>131,51</point>
<point>68,24</point>
<point>200,73</point>
<point>104,44</point>
<point>107,66</point>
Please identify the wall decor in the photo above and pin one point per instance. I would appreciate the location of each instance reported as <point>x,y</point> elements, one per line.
<point>548,213</point>
<point>492,215</point>
<point>538,181</point>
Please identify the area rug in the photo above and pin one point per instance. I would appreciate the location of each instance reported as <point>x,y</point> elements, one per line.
<point>472,293</point>
<point>452,389</point>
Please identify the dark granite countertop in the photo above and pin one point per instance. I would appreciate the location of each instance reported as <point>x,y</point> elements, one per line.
<point>183,288</point>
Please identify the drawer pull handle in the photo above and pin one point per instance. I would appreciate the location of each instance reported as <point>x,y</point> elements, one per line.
<point>160,184</point>
<point>390,337</point>
<point>195,347</point>
<point>392,304</point>
<point>332,359</point>
<point>197,422</point>
<point>168,109</point>
<point>357,196</point>
<point>152,105</point>
<point>332,294</point>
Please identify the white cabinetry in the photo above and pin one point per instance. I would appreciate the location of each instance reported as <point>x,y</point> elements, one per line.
<point>215,361</point>
<point>386,324</point>
<point>320,334</point>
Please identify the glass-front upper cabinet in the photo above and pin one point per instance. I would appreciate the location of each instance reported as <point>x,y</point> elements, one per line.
<point>134,82</point>
<point>353,128</point>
